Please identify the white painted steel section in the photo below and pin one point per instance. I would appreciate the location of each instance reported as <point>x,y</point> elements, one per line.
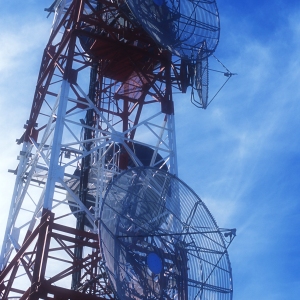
<point>56,172</point>
<point>43,161</point>
<point>172,141</point>
<point>59,8</point>
<point>13,211</point>
<point>45,175</point>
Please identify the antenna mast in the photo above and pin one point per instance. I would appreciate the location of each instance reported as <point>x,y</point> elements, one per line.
<point>103,105</point>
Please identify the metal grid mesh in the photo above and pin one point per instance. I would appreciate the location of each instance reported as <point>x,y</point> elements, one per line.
<point>181,26</point>
<point>159,240</point>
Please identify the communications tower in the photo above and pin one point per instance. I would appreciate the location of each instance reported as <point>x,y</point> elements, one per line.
<point>97,210</point>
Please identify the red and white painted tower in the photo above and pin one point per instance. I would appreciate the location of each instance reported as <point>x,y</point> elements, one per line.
<point>103,104</point>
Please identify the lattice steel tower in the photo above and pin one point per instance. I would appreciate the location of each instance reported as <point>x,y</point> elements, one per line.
<point>103,106</point>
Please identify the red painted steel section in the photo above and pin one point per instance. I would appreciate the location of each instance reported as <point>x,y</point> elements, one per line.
<point>119,60</point>
<point>41,286</point>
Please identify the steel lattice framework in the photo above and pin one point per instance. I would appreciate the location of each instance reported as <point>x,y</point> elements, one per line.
<point>103,98</point>
<point>98,76</point>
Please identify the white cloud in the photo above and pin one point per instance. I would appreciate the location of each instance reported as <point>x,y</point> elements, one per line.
<point>17,45</point>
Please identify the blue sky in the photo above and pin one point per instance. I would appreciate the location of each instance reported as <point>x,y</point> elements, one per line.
<point>241,155</point>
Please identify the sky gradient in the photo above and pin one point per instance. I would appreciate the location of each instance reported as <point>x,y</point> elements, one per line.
<point>241,155</point>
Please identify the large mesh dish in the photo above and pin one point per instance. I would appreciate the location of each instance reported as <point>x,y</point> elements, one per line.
<point>181,26</point>
<point>159,241</point>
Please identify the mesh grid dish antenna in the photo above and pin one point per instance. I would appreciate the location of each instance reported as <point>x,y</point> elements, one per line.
<point>201,79</point>
<point>159,240</point>
<point>181,26</point>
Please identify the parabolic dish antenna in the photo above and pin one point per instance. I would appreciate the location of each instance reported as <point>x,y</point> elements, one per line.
<point>159,241</point>
<point>181,26</point>
<point>201,78</point>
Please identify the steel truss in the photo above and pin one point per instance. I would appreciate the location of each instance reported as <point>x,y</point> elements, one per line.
<point>103,97</point>
<point>34,260</point>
